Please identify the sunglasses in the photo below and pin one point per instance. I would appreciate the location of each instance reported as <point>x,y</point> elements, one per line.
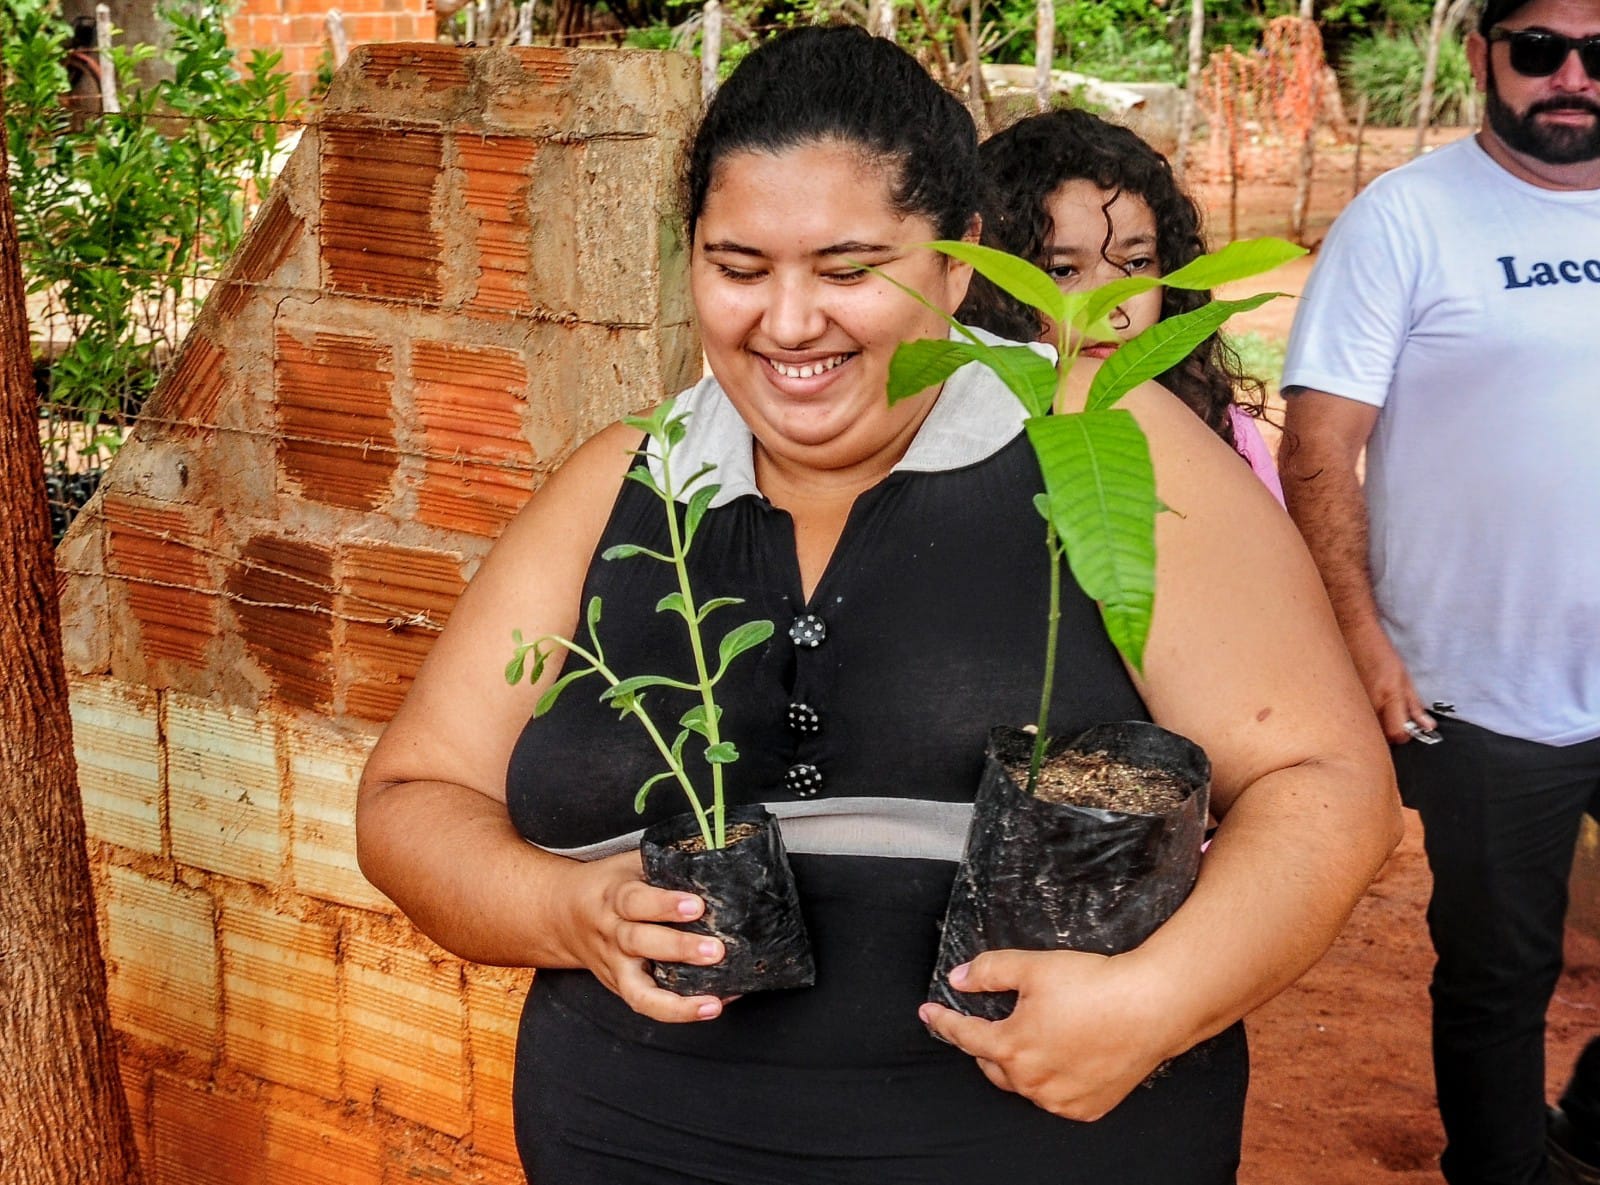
<point>1536,53</point>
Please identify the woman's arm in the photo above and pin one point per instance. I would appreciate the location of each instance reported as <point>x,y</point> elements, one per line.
<point>432,829</point>
<point>1244,658</point>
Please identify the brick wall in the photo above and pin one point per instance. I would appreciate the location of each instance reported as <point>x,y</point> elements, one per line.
<point>386,372</point>
<point>299,29</point>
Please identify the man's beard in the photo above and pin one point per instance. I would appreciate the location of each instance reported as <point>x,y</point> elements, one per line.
<point>1553,144</point>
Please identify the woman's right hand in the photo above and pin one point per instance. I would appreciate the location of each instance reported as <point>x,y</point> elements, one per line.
<point>617,927</point>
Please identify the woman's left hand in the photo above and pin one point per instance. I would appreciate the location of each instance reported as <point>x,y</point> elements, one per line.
<point>1083,1035</point>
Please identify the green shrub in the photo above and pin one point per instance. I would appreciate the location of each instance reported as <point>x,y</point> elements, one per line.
<point>1388,71</point>
<point>121,223</point>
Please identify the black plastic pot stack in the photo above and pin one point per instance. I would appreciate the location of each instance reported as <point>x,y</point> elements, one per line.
<point>1040,875</point>
<point>752,905</point>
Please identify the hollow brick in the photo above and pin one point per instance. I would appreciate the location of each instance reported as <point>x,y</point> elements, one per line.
<point>161,962</point>
<point>494,1007</point>
<point>470,402</point>
<point>301,1150</point>
<point>282,593</point>
<point>394,601</point>
<point>496,194</point>
<point>280,991</point>
<point>223,790</point>
<point>205,1137</point>
<point>323,773</point>
<point>333,407</point>
<point>161,554</point>
<point>116,737</point>
<point>376,227</point>
<point>404,1026</point>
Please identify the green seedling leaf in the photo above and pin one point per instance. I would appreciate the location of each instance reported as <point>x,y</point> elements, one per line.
<point>1102,496</point>
<point>591,617</point>
<point>1161,347</point>
<point>1236,261</point>
<point>644,477</point>
<point>548,699</point>
<point>637,683</point>
<point>736,641</point>
<point>644,791</point>
<point>695,720</point>
<point>722,754</point>
<point>717,603</point>
<point>623,551</point>
<point>1088,316</point>
<point>519,659</point>
<point>698,503</point>
<point>673,603</point>
<point>1016,277</point>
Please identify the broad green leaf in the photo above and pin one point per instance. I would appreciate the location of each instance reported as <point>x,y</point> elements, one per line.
<point>1090,313</point>
<point>1029,375</point>
<point>548,699</point>
<point>1236,261</point>
<point>918,365</point>
<point>672,603</point>
<point>696,511</point>
<point>722,753</point>
<point>644,791</point>
<point>1103,503</point>
<point>1161,347</point>
<point>926,362</point>
<point>717,603</point>
<point>736,641</point>
<point>695,719</point>
<point>1014,276</point>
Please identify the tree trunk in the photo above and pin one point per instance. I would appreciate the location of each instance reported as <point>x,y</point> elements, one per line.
<point>1191,87</point>
<point>1044,53</point>
<point>65,1119</point>
<point>1430,71</point>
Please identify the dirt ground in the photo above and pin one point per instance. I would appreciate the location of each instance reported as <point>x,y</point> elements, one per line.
<point>1341,1081</point>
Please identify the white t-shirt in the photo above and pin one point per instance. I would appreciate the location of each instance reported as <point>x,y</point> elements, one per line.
<point>1465,304</point>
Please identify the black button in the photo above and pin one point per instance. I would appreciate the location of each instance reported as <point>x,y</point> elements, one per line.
<point>804,718</point>
<point>808,630</point>
<point>803,781</point>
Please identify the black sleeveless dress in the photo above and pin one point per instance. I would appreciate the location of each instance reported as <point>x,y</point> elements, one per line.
<point>862,725</point>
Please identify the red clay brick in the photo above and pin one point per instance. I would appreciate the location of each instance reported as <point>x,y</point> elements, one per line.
<point>377,235</point>
<point>333,410</point>
<point>203,1137</point>
<point>436,67</point>
<point>304,1151</point>
<point>193,389</point>
<point>469,401</point>
<point>383,590</point>
<point>285,612</point>
<point>162,554</point>
<point>497,195</point>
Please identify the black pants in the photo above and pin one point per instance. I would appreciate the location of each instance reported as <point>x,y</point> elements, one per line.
<point>1581,1100</point>
<point>1500,821</point>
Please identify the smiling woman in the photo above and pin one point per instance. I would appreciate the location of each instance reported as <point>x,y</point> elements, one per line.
<point>897,549</point>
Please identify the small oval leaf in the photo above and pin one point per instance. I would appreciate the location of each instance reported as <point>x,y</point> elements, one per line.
<point>722,753</point>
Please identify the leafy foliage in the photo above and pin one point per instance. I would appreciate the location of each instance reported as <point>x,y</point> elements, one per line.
<point>1100,498</point>
<point>119,220</point>
<point>665,429</point>
<point>1387,69</point>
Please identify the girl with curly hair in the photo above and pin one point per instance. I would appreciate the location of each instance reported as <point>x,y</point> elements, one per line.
<point>1090,202</point>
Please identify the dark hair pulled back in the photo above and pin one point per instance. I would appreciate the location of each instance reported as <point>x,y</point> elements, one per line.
<point>838,83</point>
<point>1026,163</point>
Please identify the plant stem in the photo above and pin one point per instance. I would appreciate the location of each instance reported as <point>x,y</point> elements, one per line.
<point>680,557</point>
<point>1052,543</point>
<point>597,664</point>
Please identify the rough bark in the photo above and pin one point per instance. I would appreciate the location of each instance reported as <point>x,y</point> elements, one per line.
<point>64,1120</point>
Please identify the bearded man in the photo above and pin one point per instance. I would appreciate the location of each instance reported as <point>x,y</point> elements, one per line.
<point>1451,328</point>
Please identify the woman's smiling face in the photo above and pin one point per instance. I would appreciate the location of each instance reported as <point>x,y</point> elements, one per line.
<point>796,332</point>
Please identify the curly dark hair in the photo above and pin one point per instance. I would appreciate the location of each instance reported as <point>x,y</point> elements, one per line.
<point>1026,163</point>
